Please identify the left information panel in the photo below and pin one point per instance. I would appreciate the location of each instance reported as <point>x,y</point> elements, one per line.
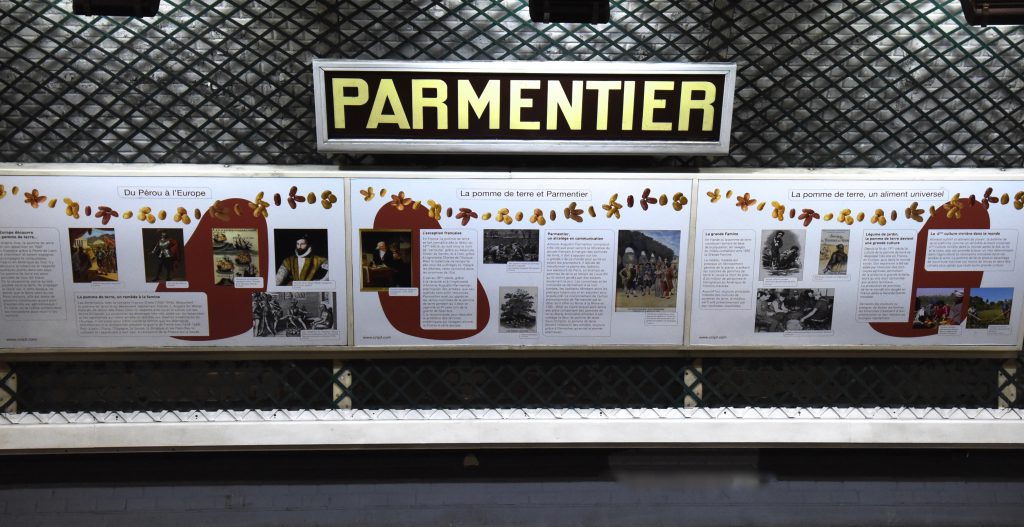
<point>162,261</point>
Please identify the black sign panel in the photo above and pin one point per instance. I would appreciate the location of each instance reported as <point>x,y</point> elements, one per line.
<point>547,107</point>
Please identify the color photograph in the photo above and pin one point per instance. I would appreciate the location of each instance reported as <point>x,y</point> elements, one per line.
<point>235,254</point>
<point>386,259</point>
<point>834,252</point>
<point>164,254</point>
<point>93,255</point>
<point>300,255</point>
<point>938,306</point>
<point>647,267</point>
<point>989,306</point>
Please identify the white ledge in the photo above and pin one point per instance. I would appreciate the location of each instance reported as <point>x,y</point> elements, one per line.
<point>512,428</point>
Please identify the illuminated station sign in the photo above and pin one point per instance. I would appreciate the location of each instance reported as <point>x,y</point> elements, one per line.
<point>524,107</point>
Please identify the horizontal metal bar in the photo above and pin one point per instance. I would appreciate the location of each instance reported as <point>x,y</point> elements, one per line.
<point>319,171</point>
<point>526,429</point>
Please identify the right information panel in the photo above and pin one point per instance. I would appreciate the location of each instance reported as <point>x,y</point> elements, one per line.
<point>842,263</point>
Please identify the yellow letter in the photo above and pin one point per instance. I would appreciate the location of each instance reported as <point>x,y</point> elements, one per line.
<point>469,98</point>
<point>652,102</point>
<point>603,88</point>
<point>558,102</point>
<point>341,101</point>
<point>420,101</point>
<point>687,105</point>
<point>628,100</point>
<point>386,93</point>
<point>517,103</point>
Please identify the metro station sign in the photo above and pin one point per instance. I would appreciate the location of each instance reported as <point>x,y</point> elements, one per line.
<point>523,107</point>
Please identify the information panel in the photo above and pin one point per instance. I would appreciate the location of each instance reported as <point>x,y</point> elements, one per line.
<point>171,261</point>
<point>249,258</point>
<point>567,262</point>
<point>844,262</point>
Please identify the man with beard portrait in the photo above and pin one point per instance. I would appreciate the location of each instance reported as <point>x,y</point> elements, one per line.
<point>303,266</point>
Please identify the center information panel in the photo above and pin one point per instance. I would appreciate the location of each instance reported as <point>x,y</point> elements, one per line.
<point>562,262</point>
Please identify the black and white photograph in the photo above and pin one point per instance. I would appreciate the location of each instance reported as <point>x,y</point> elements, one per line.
<point>518,309</point>
<point>288,314</point>
<point>511,245</point>
<point>781,310</point>
<point>781,253</point>
<point>300,255</point>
